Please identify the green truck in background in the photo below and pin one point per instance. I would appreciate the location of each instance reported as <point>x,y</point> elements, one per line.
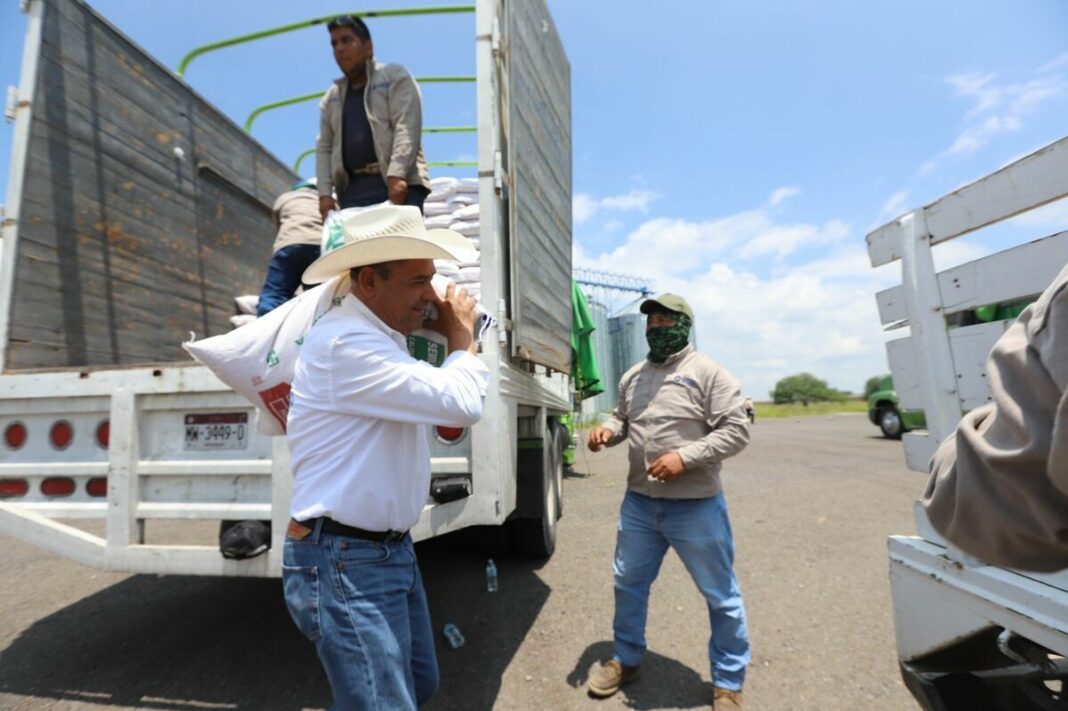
<point>885,413</point>
<point>884,409</point>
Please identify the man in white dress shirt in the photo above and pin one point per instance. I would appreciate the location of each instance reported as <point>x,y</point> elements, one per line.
<point>359,412</point>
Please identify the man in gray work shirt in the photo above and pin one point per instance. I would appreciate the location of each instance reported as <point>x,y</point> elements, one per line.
<point>682,414</point>
<point>369,148</point>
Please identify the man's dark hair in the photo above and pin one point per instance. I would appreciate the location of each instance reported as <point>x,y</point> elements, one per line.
<point>382,269</point>
<point>353,23</point>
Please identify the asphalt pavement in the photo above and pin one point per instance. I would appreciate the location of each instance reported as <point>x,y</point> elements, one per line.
<point>811,502</point>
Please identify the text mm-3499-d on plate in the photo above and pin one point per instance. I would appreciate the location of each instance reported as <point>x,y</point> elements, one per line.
<point>219,430</point>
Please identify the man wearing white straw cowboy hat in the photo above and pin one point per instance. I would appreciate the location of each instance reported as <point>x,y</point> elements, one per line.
<point>359,410</point>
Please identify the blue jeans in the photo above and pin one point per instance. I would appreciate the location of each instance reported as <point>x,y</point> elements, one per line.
<point>363,605</point>
<point>700,533</point>
<point>283,275</point>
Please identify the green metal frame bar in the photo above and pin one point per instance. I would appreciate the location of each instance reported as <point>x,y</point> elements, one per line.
<point>277,105</point>
<point>242,39</point>
<point>300,159</point>
<point>318,94</point>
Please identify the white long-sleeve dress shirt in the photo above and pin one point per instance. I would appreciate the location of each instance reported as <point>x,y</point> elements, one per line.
<point>359,411</point>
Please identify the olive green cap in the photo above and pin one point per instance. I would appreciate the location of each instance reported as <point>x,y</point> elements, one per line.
<point>671,302</point>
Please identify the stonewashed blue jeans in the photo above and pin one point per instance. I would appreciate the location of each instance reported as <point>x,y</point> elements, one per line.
<point>700,533</point>
<point>363,605</point>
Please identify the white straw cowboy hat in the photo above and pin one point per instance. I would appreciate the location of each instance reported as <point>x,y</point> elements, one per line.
<point>385,234</point>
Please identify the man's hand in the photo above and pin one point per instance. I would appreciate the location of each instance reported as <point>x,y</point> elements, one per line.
<point>326,204</point>
<point>667,468</point>
<point>456,318</point>
<point>599,437</point>
<point>398,190</point>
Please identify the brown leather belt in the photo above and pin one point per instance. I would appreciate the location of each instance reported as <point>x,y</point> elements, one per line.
<point>302,529</point>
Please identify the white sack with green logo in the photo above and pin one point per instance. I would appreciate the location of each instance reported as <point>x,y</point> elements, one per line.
<point>257,360</point>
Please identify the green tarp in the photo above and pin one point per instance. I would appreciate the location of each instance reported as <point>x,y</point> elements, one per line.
<point>584,370</point>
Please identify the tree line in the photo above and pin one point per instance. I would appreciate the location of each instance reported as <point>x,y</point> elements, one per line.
<point>806,387</point>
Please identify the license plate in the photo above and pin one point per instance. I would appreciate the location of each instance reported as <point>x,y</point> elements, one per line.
<point>220,430</point>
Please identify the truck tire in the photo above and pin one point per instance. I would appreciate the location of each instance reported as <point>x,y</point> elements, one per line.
<point>534,534</point>
<point>890,423</point>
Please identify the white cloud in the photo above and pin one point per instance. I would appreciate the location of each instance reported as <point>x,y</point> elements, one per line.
<point>677,246</point>
<point>896,203</point>
<point>1054,64</point>
<point>783,240</point>
<point>783,193</point>
<point>975,137</point>
<point>851,262</point>
<point>956,252</point>
<point>997,108</point>
<point>634,200</point>
<point>979,87</point>
<point>585,206</point>
<point>1015,99</point>
<point>1052,216</point>
<point>761,316</point>
<point>1022,154</point>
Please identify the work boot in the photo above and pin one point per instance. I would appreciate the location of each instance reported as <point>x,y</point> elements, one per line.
<point>606,678</point>
<point>726,700</point>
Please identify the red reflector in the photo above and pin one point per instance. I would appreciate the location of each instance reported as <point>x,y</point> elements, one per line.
<point>15,435</point>
<point>97,486</point>
<point>61,434</point>
<point>450,434</point>
<point>103,433</point>
<point>13,487</point>
<point>57,486</point>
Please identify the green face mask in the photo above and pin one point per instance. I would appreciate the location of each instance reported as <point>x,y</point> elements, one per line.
<point>666,341</point>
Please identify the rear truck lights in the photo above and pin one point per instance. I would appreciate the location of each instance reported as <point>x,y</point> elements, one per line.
<point>13,487</point>
<point>15,435</point>
<point>97,486</point>
<point>449,435</point>
<point>61,434</point>
<point>57,486</point>
<point>103,433</point>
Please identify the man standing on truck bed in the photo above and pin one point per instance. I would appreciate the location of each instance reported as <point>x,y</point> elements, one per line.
<point>369,148</point>
<point>357,428</point>
<point>682,415</point>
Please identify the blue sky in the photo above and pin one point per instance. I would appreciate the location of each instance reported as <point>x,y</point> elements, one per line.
<point>735,152</point>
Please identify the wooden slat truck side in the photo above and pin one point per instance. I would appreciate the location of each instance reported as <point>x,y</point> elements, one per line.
<point>136,211</point>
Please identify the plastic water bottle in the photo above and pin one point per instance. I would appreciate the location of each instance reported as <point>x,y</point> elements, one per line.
<point>491,576</point>
<point>453,634</point>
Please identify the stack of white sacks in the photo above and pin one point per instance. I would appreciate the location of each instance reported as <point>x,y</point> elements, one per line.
<point>453,204</point>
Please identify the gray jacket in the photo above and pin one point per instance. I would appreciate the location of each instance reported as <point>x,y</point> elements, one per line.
<point>395,112</point>
<point>689,404</point>
<point>999,485</point>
